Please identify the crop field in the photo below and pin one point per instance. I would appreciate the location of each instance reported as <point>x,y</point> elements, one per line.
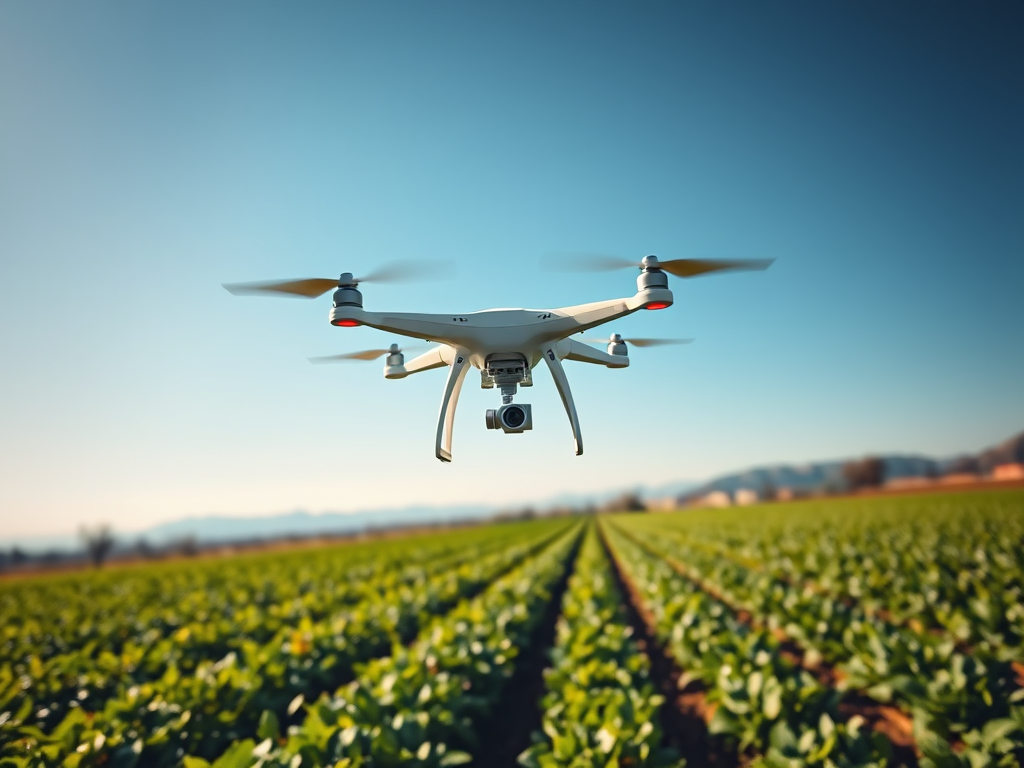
<point>880,631</point>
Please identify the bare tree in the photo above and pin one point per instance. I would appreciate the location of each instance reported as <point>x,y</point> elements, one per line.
<point>187,546</point>
<point>99,541</point>
<point>627,502</point>
<point>144,549</point>
<point>869,472</point>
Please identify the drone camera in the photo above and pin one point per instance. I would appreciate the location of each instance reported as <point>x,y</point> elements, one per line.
<point>510,419</point>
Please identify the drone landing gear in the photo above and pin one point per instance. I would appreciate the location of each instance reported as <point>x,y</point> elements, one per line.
<point>446,418</point>
<point>562,384</point>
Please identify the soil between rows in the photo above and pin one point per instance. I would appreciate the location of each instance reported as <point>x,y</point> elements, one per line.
<point>887,720</point>
<point>507,732</point>
<point>684,712</point>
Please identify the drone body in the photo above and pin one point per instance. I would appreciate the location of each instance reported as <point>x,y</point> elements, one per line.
<point>504,344</point>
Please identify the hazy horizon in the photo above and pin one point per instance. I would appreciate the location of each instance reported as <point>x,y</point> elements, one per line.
<point>66,540</point>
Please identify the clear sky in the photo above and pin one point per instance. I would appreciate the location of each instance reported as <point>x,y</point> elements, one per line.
<point>151,151</point>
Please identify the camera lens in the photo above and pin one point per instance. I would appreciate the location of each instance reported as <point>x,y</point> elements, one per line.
<point>513,416</point>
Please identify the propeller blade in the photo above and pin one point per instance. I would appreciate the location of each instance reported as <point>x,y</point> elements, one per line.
<point>410,270</point>
<point>368,354</point>
<point>640,342</point>
<point>602,262</point>
<point>656,342</point>
<point>308,288</point>
<point>695,267</point>
<point>559,261</point>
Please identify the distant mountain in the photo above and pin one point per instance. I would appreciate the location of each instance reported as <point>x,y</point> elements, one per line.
<point>1008,452</point>
<point>828,475</point>
<point>221,528</point>
<point>808,477</point>
<point>825,475</point>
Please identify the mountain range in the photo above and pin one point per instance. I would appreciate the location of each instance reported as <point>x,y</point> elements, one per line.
<point>828,475</point>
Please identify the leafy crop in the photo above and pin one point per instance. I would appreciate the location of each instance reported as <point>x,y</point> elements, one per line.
<point>600,708</point>
<point>953,692</point>
<point>759,697</point>
<point>160,719</point>
<point>413,707</point>
<point>856,633</point>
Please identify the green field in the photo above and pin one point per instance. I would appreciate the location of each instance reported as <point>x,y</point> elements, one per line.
<point>851,632</point>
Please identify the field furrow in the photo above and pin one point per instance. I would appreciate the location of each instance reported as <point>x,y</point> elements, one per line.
<point>686,711</point>
<point>850,633</point>
<point>223,700</point>
<point>421,705</point>
<point>757,695</point>
<point>949,563</point>
<point>601,707</point>
<point>940,693</point>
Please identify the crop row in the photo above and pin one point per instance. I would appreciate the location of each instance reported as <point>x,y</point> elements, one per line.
<point>424,704</point>
<point>115,611</point>
<point>949,563</point>
<point>138,632</point>
<point>758,698</point>
<point>221,700</point>
<point>600,708</point>
<point>953,698</point>
<point>40,690</point>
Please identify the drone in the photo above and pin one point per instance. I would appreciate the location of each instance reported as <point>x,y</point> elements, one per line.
<point>503,344</point>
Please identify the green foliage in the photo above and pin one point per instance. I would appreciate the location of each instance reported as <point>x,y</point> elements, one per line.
<point>420,706</point>
<point>756,690</point>
<point>341,606</point>
<point>887,591</point>
<point>600,708</point>
<point>396,652</point>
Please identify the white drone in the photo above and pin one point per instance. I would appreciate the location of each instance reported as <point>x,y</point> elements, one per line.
<point>504,344</point>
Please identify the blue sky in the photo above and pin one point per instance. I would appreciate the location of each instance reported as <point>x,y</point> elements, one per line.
<point>150,152</point>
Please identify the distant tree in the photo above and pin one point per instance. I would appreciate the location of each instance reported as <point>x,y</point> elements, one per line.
<point>868,472</point>
<point>51,557</point>
<point>963,465</point>
<point>18,556</point>
<point>98,541</point>
<point>768,490</point>
<point>187,546</point>
<point>144,549</point>
<point>627,502</point>
<point>514,515</point>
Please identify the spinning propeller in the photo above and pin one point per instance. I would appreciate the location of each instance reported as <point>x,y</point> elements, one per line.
<point>366,354</point>
<point>601,262</point>
<point>393,272</point>
<point>616,338</point>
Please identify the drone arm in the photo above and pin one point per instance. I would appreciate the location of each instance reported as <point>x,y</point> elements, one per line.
<point>562,384</point>
<point>446,417</point>
<point>583,317</point>
<point>432,358</point>
<point>570,349</point>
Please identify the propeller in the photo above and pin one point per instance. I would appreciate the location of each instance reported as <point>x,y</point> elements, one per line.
<point>602,262</point>
<point>366,354</point>
<point>392,272</point>
<point>615,338</point>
